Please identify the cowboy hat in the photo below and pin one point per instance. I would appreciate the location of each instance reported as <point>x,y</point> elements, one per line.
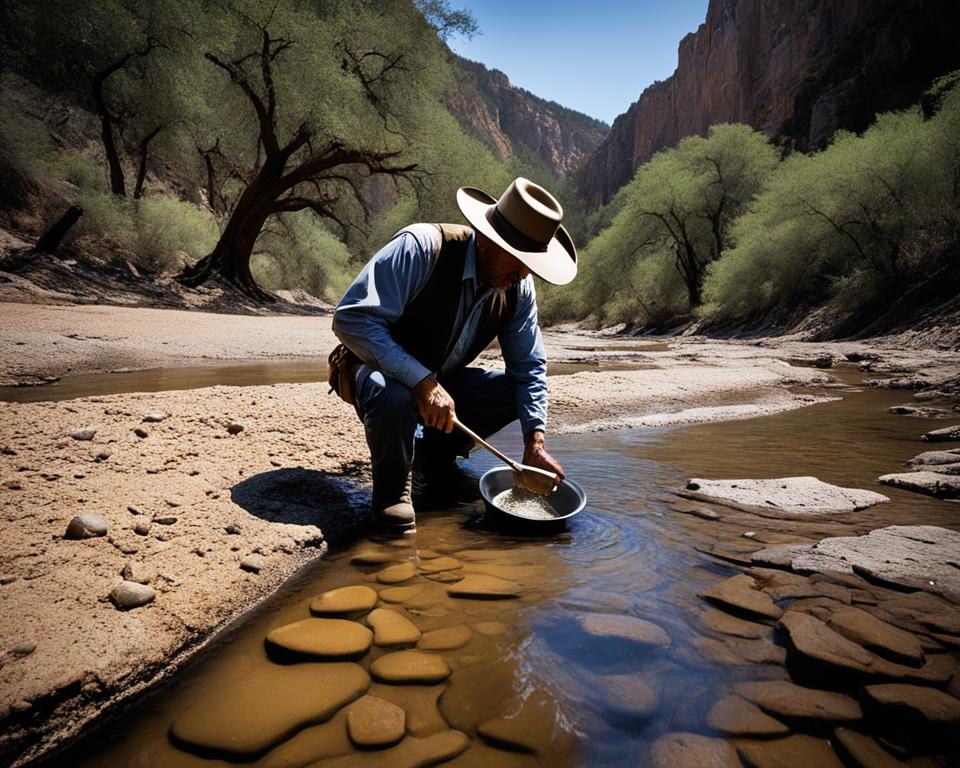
<point>525,222</point>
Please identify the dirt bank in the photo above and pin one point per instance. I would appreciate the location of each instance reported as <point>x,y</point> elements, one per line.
<point>229,472</point>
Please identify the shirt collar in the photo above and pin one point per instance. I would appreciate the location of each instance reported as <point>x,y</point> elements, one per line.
<point>470,263</point>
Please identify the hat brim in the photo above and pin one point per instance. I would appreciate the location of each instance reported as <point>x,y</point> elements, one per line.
<point>557,264</point>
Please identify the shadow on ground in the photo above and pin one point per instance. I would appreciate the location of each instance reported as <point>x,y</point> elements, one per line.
<point>336,503</point>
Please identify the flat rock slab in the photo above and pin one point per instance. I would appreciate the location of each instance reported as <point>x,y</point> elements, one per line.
<point>791,752</point>
<point>396,574</point>
<point>253,711</point>
<point>690,750</point>
<point>410,667</point>
<point>374,557</point>
<point>373,722</point>
<point>931,704</point>
<point>440,564</point>
<point>923,557</point>
<point>739,593</point>
<point>865,750</point>
<point>630,628</point>
<point>323,637</point>
<point>528,729</point>
<point>345,600</point>
<point>787,699</point>
<point>942,435</point>
<point>400,594</point>
<point>875,635</point>
<point>939,484</point>
<point>390,628</point>
<point>627,694</point>
<point>446,639</point>
<point>724,623</point>
<point>933,458</point>
<point>411,752</point>
<point>483,587</point>
<point>418,701</point>
<point>739,717</point>
<point>783,496</point>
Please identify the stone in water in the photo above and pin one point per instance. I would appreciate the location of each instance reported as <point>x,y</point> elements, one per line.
<point>521,503</point>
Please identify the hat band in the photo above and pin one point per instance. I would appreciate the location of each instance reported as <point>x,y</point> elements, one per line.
<point>513,236</point>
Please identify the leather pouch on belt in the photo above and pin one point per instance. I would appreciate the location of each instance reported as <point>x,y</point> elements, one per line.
<point>341,374</point>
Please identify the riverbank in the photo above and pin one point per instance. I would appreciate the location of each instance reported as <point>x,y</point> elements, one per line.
<point>215,496</point>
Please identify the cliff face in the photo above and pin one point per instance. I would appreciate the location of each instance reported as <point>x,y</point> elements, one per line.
<point>514,122</point>
<point>797,71</point>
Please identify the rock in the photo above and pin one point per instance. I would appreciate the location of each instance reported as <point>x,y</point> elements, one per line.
<point>440,564</point>
<point>942,435</point>
<point>83,434</point>
<point>787,699</point>
<point>260,705</point>
<point>418,701</point>
<point>626,694</point>
<point>446,639</point>
<point>133,510</point>
<point>796,751</point>
<point>724,623</point>
<point>926,412</point>
<point>154,417</point>
<point>936,457</point>
<point>322,637</point>
<point>24,648</point>
<point>233,529</point>
<point>234,428</point>
<point>938,484</point>
<point>103,455</point>
<point>7,578</point>
<point>134,571</point>
<point>373,722</point>
<point>783,497</point>
<point>690,750</point>
<point>86,527</point>
<point>166,520</point>
<point>932,705</point>
<point>630,628</point>
<point>488,628</point>
<point>739,593</point>
<point>483,587</point>
<point>396,574</point>
<point>345,600</point>
<point>864,750</point>
<point>254,563</point>
<point>697,510</point>
<point>400,594</point>
<point>738,717</point>
<point>390,628</point>
<point>823,362</point>
<point>876,635</point>
<point>734,651</point>
<point>142,527</point>
<point>410,667</point>
<point>140,432</point>
<point>412,751</point>
<point>373,557</point>
<point>129,594</point>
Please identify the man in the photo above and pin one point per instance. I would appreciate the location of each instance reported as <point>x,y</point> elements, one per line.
<point>421,311</point>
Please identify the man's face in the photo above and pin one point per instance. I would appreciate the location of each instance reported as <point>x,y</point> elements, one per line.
<point>496,267</point>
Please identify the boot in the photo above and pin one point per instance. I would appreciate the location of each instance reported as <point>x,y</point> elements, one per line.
<point>397,518</point>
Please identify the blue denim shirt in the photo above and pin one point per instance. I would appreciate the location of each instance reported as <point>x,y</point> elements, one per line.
<point>392,278</point>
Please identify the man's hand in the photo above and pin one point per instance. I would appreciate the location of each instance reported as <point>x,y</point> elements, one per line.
<point>436,406</point>
<point>536,455</point>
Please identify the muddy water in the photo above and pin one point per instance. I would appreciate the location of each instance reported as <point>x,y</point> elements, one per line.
<point>573,693</point>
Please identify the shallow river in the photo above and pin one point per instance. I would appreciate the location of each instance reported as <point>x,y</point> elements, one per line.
<point>574,689</point>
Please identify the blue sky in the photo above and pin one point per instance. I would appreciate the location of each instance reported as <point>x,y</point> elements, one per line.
<point>595,57</point>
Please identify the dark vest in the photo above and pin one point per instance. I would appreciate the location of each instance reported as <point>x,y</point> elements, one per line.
<point>427,329</point>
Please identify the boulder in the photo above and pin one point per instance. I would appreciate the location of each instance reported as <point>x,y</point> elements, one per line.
<point>781,697</point>
<point>782,497</point>
<point>690,750</point>
<point>86,527</point>
<point>739,593</point>
<point>738,717</point>
<point>939,484</point>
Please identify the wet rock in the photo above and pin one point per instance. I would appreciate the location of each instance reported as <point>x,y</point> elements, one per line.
<point>926,412</point>
<point>86,527</point>
<point>864,750</point>
<point>932,705</point>
<point>490,628</point>
<point>140,432</point>
<point>690,750</point>
<point>740,652</point>
<point>786,699</point>
<point>83,434</point>
<point>942,435</point>
<point>142,527</point>
<point>527,729</point>
<point>262,704</point>
<point>584,599</point>
<point>440,564</point>
<point>390,628</point>
<point>130,594</point>
<point>630,628</point>
<point>697,510</point>
<point>322,637</point>
<point>373,722</point>
<point>24,648</point>
<point>738,717</point>
<point>410,667</point>
<point>373,557</point>
<point>724,623</point>
<point>933,458</point>
<point>739,593</point>
<point>791,752</point>
<point>234,428</point>
<point>876,635</point>
<point>253,563</point>
<point>345,600</point>
<point>484,587</point>
<point>627,694</point>
<point>941,485</point>
<point>396,574</point>
<point>783,497</point>
<point>153,418</point>
<point>400,594</point>
<point>135,571</point>
<point>412,751</point>
<point>418,701</point>
<point>446,639</point>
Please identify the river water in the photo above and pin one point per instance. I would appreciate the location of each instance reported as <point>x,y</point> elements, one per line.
<point>531,657</point>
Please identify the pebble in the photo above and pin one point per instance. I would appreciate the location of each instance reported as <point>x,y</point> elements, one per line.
<point>391,628</point>
<point>140,432</point>
<point>135,571</point>
<point>133,510</point>
<point>738,717</point>
<point>864,750</point>
<point>234,529</point>
<point>85,527</point>
<point>166,520</point>
<point>410,667</point>
<point>933,705</point>
<point>253,563</point>
<point>787,699</point>
<point>323,637</point>
<point>690,750</point>
<point>373,722</point>
<point>7,578</point>
<point>234,428</point>
<point>446,639</point>
<point>103,455</point>
<point>24,648</point>
<point>83,434</point>
<point>154,417</point>
<point>739,592</point>
<point>345,600</point>
<point>142,527</point>
<point>639,631</point>
<point>129,594</point>
<point>396,574</point>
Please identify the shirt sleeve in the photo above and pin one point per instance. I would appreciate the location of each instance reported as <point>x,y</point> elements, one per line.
<point>377,298</point>
<point>526,360</point>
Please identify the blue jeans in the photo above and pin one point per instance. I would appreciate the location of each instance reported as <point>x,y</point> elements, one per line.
<point>485,402</point>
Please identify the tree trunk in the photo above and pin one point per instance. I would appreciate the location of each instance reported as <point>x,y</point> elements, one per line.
<point>692,275</point>
<point>142,167</point>
<point>50,240</point>
<point>117,182</point>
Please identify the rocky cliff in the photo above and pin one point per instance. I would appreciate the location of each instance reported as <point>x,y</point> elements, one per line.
<point>796,70</point>
<point>515,123</point>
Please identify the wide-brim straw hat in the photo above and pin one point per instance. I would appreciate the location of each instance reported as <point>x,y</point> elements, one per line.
<point>525,222</point>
